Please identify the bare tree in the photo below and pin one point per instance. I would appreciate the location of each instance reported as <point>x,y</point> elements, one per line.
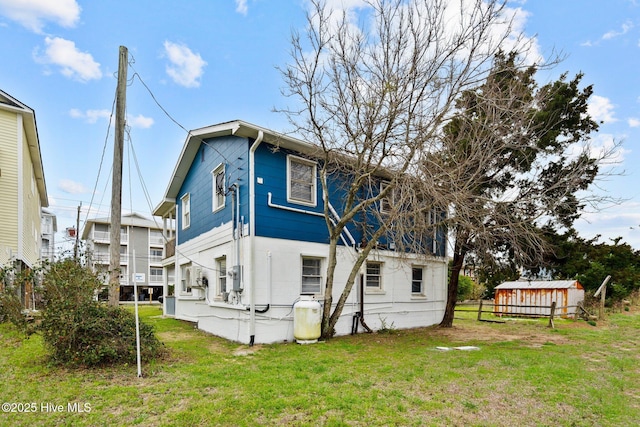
<point>516,158</point>
<point>374,94</point>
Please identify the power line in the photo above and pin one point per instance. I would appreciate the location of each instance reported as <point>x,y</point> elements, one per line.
<point>104,148</point>
<point>164,110</point>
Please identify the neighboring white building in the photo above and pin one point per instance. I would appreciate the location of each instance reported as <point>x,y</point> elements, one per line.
<point>49,229</point>
<point>138,234</point>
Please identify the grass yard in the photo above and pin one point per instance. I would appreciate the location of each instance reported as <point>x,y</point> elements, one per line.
<point>523,374</point>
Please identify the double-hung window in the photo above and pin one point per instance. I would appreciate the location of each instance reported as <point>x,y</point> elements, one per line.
<point>373,278</point>
<point>417,280</point>
<point>221,265</point>
<point>219,187</point>
<point>186,211</point>
<point>185,278</point>
<point>311,275</point>
<point>301,181</point>
<point>386,202</point>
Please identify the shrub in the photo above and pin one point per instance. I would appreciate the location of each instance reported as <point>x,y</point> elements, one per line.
<point>11,306</point>
<point>95,334</point>
<point>465,287</point>
<point>81,331</point>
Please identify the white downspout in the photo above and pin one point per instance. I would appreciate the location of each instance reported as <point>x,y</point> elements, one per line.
<point>269,280</point>
<point>252,236</point>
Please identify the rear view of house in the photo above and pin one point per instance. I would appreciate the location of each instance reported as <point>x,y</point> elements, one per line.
<point>251,240</point>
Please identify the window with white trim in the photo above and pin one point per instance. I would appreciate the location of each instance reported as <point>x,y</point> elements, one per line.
<point>221,266</point>
<point>219,187</point>
<point>386,202</point>
<point>373,276</point>
<point>186,211</point>
<point>185,278</point>
<point>311,276</point>
<point>301,181</point>
<point>417,280</point>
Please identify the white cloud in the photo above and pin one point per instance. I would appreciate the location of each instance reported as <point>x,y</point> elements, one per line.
<point>626,27</point>
<point>140,121</point>
<point>633,122</point>
<point>73,63</point>
<point>90,116</point>
<point>517,40</point>
<point>32,14</point>
<point>72,187</point>
<point>508,29</point>
<point>606,146</point>
<point>241,7</point>
<point>601,109</point>
<point>621,220</point>
<point>613,34</point>
<point>186,67</point>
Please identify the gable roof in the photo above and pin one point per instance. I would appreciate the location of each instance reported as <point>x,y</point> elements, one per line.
<point>9,103</point>
<point>237,128</point>
<point>540,284</point>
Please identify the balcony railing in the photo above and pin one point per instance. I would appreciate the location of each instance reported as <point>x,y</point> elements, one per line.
<point>155,278</point>
<point>155,240</point>
<point>105,236</point>
<point>105,258</point>
<point>101,258</point>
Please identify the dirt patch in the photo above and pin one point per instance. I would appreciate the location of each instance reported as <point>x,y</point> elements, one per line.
<point>478,331</point>
<point>244,350</point>
<point>174,336</point>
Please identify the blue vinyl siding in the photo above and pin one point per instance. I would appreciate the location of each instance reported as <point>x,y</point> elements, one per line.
<point>271,177</point>
<point>233,152</point>
<point>271,167</point>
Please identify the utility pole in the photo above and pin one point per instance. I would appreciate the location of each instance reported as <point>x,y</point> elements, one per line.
<point>116,183</point>
<point>75,246</point>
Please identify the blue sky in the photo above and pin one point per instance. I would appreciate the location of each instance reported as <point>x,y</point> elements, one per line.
<point>207,62</point>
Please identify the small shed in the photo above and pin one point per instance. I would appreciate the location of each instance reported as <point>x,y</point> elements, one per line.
<point>534,298</point>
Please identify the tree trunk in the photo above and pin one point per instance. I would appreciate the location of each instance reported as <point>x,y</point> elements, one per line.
<point>326,329</point>
<point>460,252</point>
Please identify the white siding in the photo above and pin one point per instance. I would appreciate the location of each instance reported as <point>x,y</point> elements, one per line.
<point>277,276</point>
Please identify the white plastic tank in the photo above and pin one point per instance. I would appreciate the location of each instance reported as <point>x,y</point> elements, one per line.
<point>307,319</point>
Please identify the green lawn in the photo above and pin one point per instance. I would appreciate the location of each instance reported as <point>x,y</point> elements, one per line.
<point>522,374</point>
